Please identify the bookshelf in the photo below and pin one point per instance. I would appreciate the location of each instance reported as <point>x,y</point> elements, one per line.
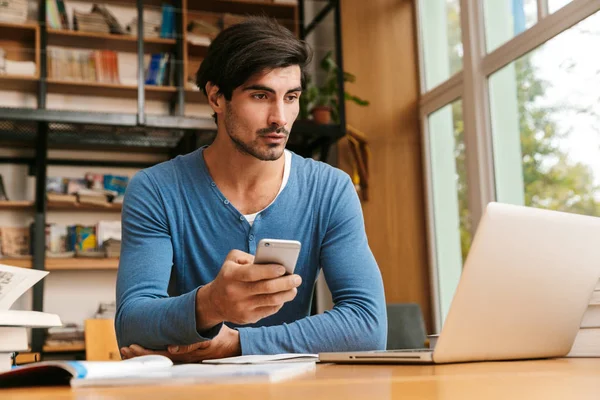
<point>92,40</point>
<point>169,134</point>
<point>83,88</point>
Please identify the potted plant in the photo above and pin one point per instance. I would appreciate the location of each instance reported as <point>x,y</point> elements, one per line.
<point>322,101</point>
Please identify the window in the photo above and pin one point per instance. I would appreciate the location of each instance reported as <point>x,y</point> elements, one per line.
<point>554,5</point>
<point>505,19</point>
<point>449,197</point>
<point>546,124</point>
<point>441,38</point>
<point>526,129</point>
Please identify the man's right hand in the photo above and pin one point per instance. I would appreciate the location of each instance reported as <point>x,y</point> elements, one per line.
<point>244,292</point>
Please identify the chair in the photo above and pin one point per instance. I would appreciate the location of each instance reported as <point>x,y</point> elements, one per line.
<point>406,327</point>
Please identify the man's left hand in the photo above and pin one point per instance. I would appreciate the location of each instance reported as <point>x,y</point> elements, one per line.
<point>225,344</point>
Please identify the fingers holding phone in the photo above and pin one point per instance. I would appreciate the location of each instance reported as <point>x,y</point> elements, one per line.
<point>250,288</point>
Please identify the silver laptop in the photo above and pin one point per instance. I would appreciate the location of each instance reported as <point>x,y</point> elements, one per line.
<point>525,285</point>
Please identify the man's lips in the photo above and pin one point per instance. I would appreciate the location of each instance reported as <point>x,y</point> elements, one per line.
<point>275,136</point>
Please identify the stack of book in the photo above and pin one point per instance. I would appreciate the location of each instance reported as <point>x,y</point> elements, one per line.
<point>96,189</point>
<point>161,70</point>
<point>587,341</point>
<point>16,242</point>
<point>152,27</point>
<point>112,248</point>
<point>67,335</point>
<point>201,32</point>
<point>14,324</point>
<point>90,22</point>
<point>14,11</point>
<point>11,67</point>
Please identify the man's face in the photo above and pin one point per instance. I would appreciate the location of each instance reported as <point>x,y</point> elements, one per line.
<point>260,115</point>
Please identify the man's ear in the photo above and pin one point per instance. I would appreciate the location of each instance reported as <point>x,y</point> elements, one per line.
<point>215,99</point>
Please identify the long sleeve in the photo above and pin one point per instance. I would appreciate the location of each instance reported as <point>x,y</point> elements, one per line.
<point>146,315</point>
<point>358,320</point>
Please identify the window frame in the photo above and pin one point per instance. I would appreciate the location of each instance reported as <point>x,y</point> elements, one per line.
<point>471,85</point>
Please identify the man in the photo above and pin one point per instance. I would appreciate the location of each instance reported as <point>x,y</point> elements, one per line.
<point>194,222</point>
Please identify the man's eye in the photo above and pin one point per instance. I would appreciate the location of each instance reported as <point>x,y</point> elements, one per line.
<point>291,99</point>
<point>259,96</point>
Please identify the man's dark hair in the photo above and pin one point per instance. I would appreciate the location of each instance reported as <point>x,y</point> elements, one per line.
<point>258,44</point>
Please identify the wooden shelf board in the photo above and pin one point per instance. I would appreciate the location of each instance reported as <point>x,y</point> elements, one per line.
<point>67,264</point>
<point>16,204</point>
<point>81,263</point>
<point>84,88</point>
<point>17,262</point>
<point>63,348</point>
<point>58,206</point>
<point>24,25</point>
<point>94,40</point>
<point>20,83</point>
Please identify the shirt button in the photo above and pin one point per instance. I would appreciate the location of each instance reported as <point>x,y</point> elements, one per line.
<point>213,184</point>
<point>226,202</point>
<point>241,217</point>
<point>251,237</point>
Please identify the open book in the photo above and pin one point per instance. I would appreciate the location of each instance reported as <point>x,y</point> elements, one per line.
<point>14,282</point>
<point>145,370</point>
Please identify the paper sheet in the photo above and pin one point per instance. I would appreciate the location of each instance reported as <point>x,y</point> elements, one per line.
<point>266,359</point>
<point>15,281</point>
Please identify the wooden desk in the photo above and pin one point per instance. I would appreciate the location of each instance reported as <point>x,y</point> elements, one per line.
<point>545,379</point>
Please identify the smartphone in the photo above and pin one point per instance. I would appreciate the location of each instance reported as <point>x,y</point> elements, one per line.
<point>278,251</point>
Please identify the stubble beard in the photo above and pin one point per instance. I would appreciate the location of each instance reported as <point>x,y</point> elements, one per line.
<point>273,151</point>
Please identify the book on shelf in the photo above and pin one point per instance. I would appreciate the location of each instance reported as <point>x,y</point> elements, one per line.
<point>158,71</point>
<point>152,27</point>
<point>90,22</point>
<point>112,22</point>
<point>53,19</point>
<point>14,11</point>
<point>167,27</point>
<point>15,241</point>
<point>20,68</point>
<point>203,27</point>
<point>146,370</point>
<point>83,65</point>
<point>62,13</point>
<point>62,198</point>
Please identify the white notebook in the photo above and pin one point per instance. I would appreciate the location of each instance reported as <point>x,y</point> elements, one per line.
<point>266,359</point>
